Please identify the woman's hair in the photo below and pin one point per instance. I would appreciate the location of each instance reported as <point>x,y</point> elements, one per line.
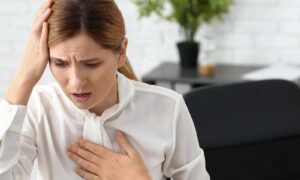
<point>100,19</point>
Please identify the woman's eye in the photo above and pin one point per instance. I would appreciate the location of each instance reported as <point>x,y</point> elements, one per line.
<point>92,65</point>
<point>60,64</point>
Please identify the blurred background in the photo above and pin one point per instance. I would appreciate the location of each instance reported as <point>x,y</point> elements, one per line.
<point>253,32</point>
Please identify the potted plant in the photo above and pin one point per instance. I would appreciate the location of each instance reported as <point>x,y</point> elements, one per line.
<point>190,15</point>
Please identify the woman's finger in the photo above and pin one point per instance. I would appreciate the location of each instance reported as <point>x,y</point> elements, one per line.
<point>87,155</point>
<point>44,39</point>
<point>95,148</point>
<point>39,24</point>
<point>84,163</point>
<point>86,175</point>
<point>124,143</point>
<point>46,4</point>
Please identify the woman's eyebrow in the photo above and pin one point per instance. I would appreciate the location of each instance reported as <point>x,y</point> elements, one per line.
<point>88,60</point>
<point>81,61</point>
<point>57,59</point>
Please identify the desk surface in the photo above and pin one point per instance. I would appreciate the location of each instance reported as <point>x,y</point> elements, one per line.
<point>172,73</point>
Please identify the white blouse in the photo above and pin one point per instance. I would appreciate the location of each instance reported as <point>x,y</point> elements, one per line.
<point>155,120</point>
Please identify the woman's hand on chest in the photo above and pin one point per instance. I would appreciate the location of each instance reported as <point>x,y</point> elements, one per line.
<point>97,162</point>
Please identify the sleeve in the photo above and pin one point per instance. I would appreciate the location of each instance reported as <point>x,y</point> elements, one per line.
<point>185,159</point>
<point>17,146</point>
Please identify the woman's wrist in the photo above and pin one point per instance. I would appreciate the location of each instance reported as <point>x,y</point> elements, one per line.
<point>20,89</point>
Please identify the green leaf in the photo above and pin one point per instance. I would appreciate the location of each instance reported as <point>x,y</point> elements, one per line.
<point>189,14</point>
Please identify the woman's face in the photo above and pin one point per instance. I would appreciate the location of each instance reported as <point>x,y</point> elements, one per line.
<point>86,71</point>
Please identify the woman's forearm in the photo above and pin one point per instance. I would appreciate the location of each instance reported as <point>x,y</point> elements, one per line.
<point>19,90</point>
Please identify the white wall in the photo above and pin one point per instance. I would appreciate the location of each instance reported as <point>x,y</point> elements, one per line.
<point>255,32</point>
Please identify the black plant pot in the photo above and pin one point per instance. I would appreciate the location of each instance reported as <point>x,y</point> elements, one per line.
<point>188,52</point>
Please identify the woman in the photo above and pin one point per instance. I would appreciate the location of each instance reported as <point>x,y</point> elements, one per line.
<point>73,128</point>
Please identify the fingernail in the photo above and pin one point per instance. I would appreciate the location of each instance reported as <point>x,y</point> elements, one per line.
<point>78,141</point>
<point>78,171</point>
<point>70,147</point>
<point>119,133</point>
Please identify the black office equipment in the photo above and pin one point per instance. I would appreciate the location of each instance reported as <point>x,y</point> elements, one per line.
<point>249,130</point>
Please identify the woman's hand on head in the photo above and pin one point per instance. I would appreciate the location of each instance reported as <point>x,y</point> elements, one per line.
<point>34,61</point>
<point>36,55</point>
<point>97,162</point>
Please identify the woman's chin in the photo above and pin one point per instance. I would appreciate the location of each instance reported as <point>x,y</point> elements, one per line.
<point>82,105</point>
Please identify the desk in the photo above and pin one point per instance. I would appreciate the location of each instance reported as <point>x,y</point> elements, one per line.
<point>172,73</point>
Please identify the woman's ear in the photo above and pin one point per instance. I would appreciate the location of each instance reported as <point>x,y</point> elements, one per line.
<point>122,54</point>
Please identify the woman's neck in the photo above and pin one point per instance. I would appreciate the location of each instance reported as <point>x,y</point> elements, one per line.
<point>111,100</point>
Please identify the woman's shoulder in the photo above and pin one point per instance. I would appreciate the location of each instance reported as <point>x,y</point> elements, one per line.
<point>154,90</point>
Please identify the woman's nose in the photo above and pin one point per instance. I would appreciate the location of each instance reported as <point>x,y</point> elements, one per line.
<point>77,78</point>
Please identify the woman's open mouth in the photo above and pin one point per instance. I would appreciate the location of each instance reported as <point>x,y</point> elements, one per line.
<point>81,97</point>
